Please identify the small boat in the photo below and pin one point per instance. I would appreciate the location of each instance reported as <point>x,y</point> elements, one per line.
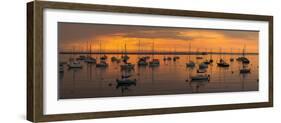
<point>142,62</point>
<point>169,58</point>
<point>231,58</point>
<point>199,57</point>
<point>90,59</point>
<point>74,64</point>
<point>113,58</point>
<point>222,63</point>
<point>207,62</point>
<point>243,59</point>
<point>203,65</point>
<point>175,58</point>
<point>126,81</point>
<point>102,64</point>
<point>154,63</point>
<point>125,57</point>
<point>200,77</point>
<point>190,64</point>
<point>104,57</point>
<point>127,66</point>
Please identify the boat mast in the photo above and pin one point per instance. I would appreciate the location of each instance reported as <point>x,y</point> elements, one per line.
<point>90,48</point>
<point>220,52</point>
<point>153,49</point>
<point>125,48</point>
<point>139,49</point>
<point>189,47</point>
<point>100,49</point>
<point>211,54</point>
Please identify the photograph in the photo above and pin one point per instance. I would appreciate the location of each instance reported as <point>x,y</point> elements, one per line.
<point>112,60</point>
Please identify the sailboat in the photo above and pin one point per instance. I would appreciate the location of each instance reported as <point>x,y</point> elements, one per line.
<point>125,79</point>
<point>175,58</point>
<point>243,59</point>
<point>73,63</point>
<point>142,60</point>
<point>115,58</point>
<point>126,65</point>
<point>200,77</point>
<point>154,62</point>
<point>90,59</point>
<point>190,63</point>
<point>231,58</point>
<point>102,60</point>
<point>221,62</point>
<point>207,61</point>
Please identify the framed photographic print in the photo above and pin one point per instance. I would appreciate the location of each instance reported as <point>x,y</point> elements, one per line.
<point>96,61</point>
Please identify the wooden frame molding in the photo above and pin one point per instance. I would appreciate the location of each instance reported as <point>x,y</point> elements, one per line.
<point>35,60</point>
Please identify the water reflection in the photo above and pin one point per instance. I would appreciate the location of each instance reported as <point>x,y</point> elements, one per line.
<point>170,77</point>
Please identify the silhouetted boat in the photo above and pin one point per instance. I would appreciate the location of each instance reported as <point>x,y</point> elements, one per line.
<point>207,61</point>
<point>89,59</point>
<point>102,64</point>
<point>126,81</point>
<point>200,77</point>
<point>222,63</point>
<point>154,62</point>
<point>243,59</point>
<point>115,59</point>
<point>189,63</point>
<point>142,62</point>
<point>74,64</point>
<point>231,58</point>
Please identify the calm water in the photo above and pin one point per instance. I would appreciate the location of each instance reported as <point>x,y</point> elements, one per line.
<point>169,78</point>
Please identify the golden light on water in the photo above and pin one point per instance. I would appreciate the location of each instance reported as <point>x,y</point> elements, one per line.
<point>113,38</point>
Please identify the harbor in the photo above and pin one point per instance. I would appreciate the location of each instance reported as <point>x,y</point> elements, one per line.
<point>169,77</point>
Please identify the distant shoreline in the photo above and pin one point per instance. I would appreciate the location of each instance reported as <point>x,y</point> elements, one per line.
<point>161,53</point>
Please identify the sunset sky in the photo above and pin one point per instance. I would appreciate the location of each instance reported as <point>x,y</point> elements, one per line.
<point>113,38</point>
